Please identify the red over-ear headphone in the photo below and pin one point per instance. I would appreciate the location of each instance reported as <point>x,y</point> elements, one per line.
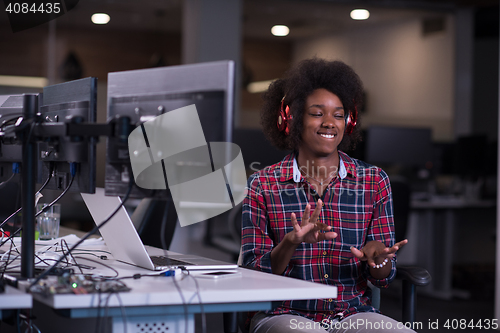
<point>351,121</point>
<point>284,117</point>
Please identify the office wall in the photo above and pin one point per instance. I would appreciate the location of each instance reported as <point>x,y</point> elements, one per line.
<point>408,76</point>
<point>99,50</point>
<point>262,60</point>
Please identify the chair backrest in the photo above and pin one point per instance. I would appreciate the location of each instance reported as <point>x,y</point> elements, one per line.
<point>401,206</point>
<point>149,216</point>
<point>256,149</point>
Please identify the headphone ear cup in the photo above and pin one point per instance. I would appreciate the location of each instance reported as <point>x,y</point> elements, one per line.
<point>287,118</point>
<point>351,121</point>
<point>348,124</point>
<point>282,121</point>
<point>283,117</point>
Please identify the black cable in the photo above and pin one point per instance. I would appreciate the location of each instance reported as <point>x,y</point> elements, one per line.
<point>16,117</point>
<point>202,309</point>
<point>90,233</point>
<point>165,254</point>
<point>85,251</point>
<point>40,190</point>
<point>106,305</point>
<point>18,321</point>
<point>44,208</point>
<point>98,319</point>
<point>12,122</point>
<point>7,261</point>
<point>63,242</point>
<point>102,264</point>
<point>5,182</point>
<point>122,309</point>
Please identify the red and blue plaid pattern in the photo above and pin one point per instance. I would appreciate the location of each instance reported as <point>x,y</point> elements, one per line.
<point>357,206</point>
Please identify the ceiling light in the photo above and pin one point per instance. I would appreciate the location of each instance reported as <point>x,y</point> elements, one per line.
<point>360,14</point>
<point>23,81</point>
<point>280,30</point>
<point>100,18</point>
<point>258,86</point>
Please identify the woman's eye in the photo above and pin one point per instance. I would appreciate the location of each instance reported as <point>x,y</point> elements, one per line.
<point>339,116</point>
<point>315,114</point>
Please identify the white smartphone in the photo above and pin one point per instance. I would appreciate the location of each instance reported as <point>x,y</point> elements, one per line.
<point>218,274</point>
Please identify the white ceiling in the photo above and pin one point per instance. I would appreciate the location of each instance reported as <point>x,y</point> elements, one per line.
<point>305,18</point>
<point>313,18</point>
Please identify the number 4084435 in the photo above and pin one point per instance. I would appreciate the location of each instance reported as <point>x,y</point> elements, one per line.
<point>460,324</point>
<point>25,8</point>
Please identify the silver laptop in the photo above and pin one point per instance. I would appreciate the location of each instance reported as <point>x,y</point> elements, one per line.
<point>125,245</point>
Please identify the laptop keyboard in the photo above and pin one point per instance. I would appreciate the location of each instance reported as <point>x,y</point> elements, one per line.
<point>162,261</point>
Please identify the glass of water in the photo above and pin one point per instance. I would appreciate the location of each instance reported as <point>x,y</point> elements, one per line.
<point>47,223</point>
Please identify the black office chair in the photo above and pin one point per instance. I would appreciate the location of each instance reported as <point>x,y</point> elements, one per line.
<point>257,154</point>
<point>411,276</point>
<point>149,216</point>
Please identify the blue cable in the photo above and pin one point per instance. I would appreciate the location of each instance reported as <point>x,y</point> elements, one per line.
<point>72,168</point>
<point>16,167</point>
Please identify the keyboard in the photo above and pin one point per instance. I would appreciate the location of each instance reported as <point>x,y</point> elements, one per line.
<point>162,261</point>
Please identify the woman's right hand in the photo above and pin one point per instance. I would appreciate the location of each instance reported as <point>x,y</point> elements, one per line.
<point>309,230</point>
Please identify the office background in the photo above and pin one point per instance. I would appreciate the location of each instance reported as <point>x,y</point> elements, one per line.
<point>431,64</point>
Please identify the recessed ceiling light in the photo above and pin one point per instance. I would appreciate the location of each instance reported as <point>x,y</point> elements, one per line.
<point>280,30</point>
<point>258,86</point>
<point>360,14</point>
<point>23,81</point>
<point>100,18</point>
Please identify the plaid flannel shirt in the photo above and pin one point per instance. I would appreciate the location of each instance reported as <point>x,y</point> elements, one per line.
<point>358,206</point>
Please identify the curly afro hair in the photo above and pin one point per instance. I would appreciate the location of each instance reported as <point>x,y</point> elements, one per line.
<point>296,86</point>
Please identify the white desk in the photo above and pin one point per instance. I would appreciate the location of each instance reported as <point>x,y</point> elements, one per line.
<point>436,228</point>
<point>13,299</point>
<point>155,301</point>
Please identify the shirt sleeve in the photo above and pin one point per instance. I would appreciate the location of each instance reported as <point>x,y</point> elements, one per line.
<point>255,239</point>
<point>382,225</point>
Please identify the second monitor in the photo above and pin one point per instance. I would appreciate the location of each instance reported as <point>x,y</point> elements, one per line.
<point>145,94</point>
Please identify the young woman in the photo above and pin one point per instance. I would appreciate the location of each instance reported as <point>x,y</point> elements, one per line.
<point>320,215</point>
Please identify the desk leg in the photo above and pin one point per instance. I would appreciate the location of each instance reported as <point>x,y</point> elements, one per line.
<point>428,253</point>
<point>436,244</point>
<point>154,324</point>
<point>444,232</point>
<point>438,230</point>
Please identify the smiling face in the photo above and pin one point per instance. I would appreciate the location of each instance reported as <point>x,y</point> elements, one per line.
<point>324,124</point>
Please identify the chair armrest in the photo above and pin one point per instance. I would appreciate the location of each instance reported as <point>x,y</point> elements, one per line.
<point>416,275</point>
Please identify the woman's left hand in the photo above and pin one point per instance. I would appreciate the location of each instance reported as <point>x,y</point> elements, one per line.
<point>375,252</point>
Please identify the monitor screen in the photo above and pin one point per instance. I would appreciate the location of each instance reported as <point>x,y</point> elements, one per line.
<point>143,95</point>
<point>73,101</point>
<point>398,146</point>
<point>11,109</point>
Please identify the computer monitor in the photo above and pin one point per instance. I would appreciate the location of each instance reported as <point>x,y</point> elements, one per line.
<point>145,94</point>
<point>73,101</point>
<point>399,146</point>
<point>11,109</point>
<point>473,156</point>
